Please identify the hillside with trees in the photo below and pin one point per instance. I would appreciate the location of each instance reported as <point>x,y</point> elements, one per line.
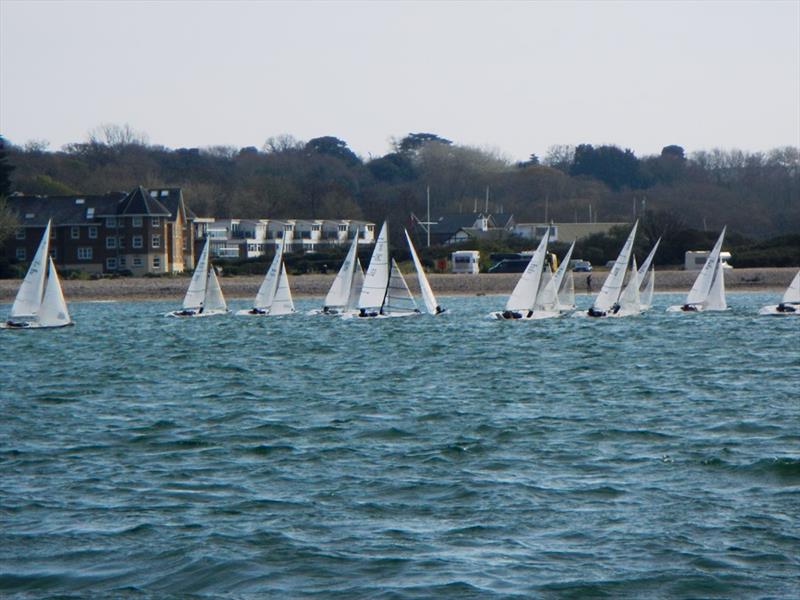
<point>756,194</point>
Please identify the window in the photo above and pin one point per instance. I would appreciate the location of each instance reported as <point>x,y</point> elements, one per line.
<point>137,261</point>
<point>111,242</point>
<point>156,241</point>
<point>136,241</point>
<point>111,221</point>
<point>155,221</point>
<point>20,254</point>
<point>315,228</point>
<point>75,233</point>
<point>136,221</point>
<point>85,253</point>
<point>92,233</point>
<point>123,261</point>
<point>164,193</point>
<point>90,213</point>
<point>20,233</point>
<point>156,262</point>
<point>121,242</point>
<point>111,264</point>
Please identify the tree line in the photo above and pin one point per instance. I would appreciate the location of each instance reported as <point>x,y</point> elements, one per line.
<point>756,194</point>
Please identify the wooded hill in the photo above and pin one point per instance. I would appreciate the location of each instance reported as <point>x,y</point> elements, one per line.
<point>755,194</point>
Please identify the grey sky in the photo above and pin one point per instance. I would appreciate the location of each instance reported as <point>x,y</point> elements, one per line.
<point>516,77</point>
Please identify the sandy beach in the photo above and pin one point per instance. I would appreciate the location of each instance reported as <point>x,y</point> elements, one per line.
<point>158,288</point>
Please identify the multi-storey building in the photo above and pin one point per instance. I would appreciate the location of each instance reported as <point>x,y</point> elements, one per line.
<point>144,231</point>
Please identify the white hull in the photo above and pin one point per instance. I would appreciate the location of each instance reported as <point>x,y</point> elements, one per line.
<point>248,312</point>
<point>355,315</point>
<point>772,310</point>
<point>535,315</point>
<point>34,325</point>
<point>333,312</point>
<point>678,308</point>
<point>195,315</point>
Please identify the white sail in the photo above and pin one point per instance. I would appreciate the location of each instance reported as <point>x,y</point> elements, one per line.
<point>424,286</point>
<point>355,287</point>
<point>556,293</point>
<point>282,302</point>
<point>376,279</point>
<point>629,301</point>
<point>196,294</point>
<point>792,293</point>
<point>53,312</point>
<point>546,299</point>
<point>398,297</point>
<point>716,295</point>
<point>524,295</point>
<point>214,301</point>
<point>646,264</point>
<point>266,292</point>
<point>339,294</point>
<point>29,295</point>
<point>647,287</point>
<point>566,295</point>
<point>699,294</point>
<point>612,286</point>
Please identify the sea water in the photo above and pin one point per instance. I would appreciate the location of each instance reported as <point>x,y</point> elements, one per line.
<point>449,457</point>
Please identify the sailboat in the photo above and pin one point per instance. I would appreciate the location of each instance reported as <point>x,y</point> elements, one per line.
<point>274,298</point>
<point>433,307</point>
<point>609,302</point>
<point>204,297</point>
<point>39,303</point>
<point>790,303</point>
<point>708,291</point>
<point>343,295</point>
<point>559,295</point>
<point>385,292</point>
<point>521,302</point>
<point>647,279</point>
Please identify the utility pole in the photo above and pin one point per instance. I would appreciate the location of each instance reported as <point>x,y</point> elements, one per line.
<point>426,225</point>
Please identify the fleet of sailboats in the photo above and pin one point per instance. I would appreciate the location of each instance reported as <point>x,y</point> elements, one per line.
<point>39,302</point>
<point>708,291</point>
<point>204,297</point>
<point>274,297</point>
<point>383,292</point>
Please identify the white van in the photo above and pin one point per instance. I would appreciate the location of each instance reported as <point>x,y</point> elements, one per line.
<point>466,261</point>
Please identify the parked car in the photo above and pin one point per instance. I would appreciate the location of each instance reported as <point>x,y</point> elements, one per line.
<point>580,266</point>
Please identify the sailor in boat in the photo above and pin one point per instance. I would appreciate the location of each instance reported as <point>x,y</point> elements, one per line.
<point>511,314</point>
<point>362,312</point>
<point>595,313</point>
<point>439,309</point>
<point>786,307</point>
<point>17,324</point>
<point>257,311</point>
<point>689,308</point>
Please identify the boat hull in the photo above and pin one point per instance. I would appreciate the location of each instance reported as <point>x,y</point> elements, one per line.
<point>535,315</point>
<point>33,325</point>
<point>248,312</point>
<point>772,311</point>
<point>180,314</point>
<point>698,308</point>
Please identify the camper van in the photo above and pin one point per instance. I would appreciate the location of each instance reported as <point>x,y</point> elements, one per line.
<point>695,259</point>
<point>466,261</point>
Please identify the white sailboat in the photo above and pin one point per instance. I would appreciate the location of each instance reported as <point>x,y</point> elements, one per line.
<point>630,302</point>
<point>384,292</point>
<point>204,297</point>
<point>708,291</point>
<point>274,297</point>
<point>343,294</point>
<point>647,279</point>
<point>433,307</point>
<point>521,302</point>
<point>790,303</point>
<point>607,303</point>
<point>39,303</point>
<point>564,285</point>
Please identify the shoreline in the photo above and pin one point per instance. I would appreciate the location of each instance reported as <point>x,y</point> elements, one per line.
<point>316,285</point>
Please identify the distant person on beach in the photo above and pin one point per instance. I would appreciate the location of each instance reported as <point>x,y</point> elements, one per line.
<point>589,282</point>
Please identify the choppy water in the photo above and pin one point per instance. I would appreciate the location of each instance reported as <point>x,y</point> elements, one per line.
<point>455,457</point>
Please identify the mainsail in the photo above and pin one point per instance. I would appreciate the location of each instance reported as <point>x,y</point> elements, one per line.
<point>282,303</point>
<point>524,295</point>
<point>792,293</point>
<point>376,279</point>
<point>266,292</point>
<point>398,297</point>
<point>29,295</point>
<point>215,301</point>
<point>196,294</point>
<point>341,289</point>
<point>709,287</point>
<point>629,301</point>
<point>612,287</point>
<point>53,312</point>
<point>425,288</point>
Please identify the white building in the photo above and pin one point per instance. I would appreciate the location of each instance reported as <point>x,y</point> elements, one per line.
<point>695,259</point>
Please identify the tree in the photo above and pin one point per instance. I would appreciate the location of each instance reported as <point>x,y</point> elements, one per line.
<point>115,136</point>
<point>5,170</point>
<point>414,141</point>
<point>560,157</point>
<point>333,146</point>
<point>614,167</point>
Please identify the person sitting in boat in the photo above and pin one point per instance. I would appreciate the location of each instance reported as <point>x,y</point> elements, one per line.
<point>592,312</point>
<point>362,312</point>
<point>17,324</point>
<point>184,313</point>
<point>615,308</point>
<point>785,308</point>
<point>689,308</point>
<point>439,309</point>
<point>511,314</point>
<point>257,311</point>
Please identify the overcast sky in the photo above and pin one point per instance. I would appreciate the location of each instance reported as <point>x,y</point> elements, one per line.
<point>516,77</point>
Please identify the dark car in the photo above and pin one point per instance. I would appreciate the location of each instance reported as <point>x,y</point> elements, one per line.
<point>510,265</point>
